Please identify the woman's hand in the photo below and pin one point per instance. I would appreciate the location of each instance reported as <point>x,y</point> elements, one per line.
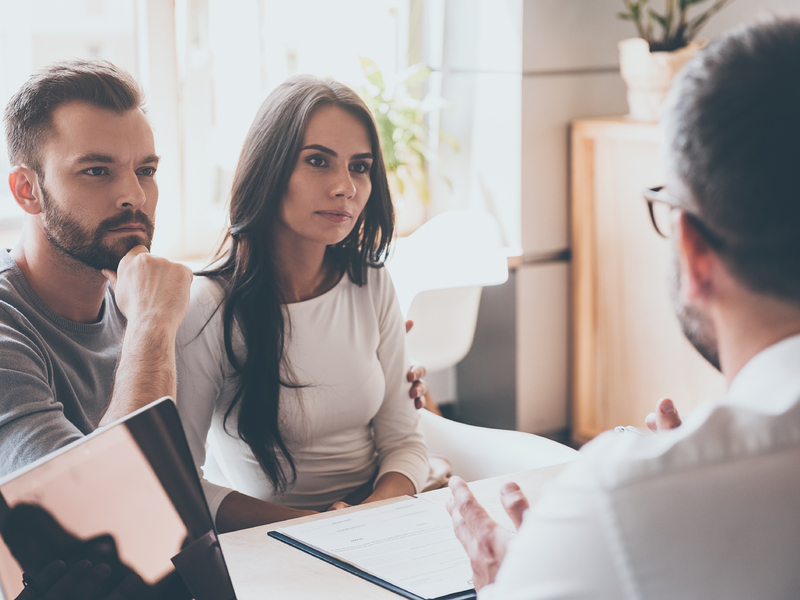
<point>391,485</point>
<point>338,505</point>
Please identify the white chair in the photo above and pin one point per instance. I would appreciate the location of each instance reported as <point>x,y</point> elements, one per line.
<point>474,452</point>
<point>480,452</point>
<point>438,272</point>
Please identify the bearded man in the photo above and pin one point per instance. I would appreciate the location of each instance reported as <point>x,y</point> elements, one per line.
<point>76,351</point>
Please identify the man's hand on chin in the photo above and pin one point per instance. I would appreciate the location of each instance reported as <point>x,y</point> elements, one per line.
<point>484,540</point>
<point>150,289</point>
<point>153,294</point>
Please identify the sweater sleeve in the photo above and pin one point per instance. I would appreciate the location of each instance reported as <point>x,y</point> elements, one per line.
<point>201,369</point>
<point>32,420</point>
<point>396,426</point>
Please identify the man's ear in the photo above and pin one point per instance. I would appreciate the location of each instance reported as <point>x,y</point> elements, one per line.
<point>698,260</point>
<point>23,182</point>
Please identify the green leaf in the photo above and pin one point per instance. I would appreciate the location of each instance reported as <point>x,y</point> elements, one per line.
<point>694,26</point>
<point>373,73</point>
<point>661,20</point>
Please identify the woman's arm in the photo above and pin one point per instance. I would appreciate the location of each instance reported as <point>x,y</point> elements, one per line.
<point>402,454</point>
<point>391,485</point>
<point>201,365</point>
<point>202,369</point>
<point>238,511</point>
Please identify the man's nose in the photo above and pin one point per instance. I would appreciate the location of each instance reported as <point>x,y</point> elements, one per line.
<point>130,193</point>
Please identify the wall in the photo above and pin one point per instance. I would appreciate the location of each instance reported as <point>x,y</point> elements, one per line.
<point>568,68</point>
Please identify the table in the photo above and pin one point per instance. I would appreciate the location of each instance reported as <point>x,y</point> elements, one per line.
<point>264,568</point>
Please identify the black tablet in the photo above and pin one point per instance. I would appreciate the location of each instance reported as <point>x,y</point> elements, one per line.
<point>127,496</point>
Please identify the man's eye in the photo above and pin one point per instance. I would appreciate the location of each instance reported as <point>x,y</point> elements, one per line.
<point>95,171</point>
<point>147,171</point>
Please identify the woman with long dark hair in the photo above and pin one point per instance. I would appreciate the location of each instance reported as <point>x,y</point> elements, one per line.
<point>292,355</point>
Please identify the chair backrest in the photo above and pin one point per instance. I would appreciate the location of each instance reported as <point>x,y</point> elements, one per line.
<point>438,272</point>
<point>480,452</point>
<point>457,249</point>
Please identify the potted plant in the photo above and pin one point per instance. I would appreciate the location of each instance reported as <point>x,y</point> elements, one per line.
<point>405,137</point>
<point>665,43</point>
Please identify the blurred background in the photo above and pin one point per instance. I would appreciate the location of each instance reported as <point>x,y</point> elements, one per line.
<point>484,90</point>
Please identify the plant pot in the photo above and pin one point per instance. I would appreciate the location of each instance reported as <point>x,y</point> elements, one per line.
<point>649,75</point>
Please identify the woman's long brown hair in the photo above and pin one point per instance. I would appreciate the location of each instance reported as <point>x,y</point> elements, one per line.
<point>246,263</point>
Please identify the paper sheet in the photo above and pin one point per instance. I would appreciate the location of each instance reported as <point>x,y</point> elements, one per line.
<point>410,544</point>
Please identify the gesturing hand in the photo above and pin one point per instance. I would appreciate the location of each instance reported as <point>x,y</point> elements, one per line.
<point>81,582</point>
<point>666,416</point>
<point>150,289</point>
<point>483,539</point>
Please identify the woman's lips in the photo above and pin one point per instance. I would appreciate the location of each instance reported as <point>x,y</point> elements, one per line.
<point>335,216</point>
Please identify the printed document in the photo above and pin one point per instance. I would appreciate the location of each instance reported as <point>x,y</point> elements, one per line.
<point>410,544</point>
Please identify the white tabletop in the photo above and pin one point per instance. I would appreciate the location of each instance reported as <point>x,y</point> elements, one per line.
<point>264,568</point>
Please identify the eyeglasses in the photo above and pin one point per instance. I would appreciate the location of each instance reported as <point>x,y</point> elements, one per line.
<point>661,206</point>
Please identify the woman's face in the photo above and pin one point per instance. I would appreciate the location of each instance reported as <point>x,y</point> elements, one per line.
<point>330,184</point>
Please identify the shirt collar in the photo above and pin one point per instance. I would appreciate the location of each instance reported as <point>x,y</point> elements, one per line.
<point>770,381</point>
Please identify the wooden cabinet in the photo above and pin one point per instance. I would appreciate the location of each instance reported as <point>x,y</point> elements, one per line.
<point>628,350</point>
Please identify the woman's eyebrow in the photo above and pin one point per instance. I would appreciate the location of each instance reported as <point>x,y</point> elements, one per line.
<point>326,150</point>
<point>320,148</point>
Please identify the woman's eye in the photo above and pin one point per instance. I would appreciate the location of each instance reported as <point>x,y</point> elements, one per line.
<point>360,168</point>
<point>316,161</point>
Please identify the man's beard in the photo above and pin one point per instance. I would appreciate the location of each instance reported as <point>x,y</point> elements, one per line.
<point>697,328</point>
<point>89,247</point>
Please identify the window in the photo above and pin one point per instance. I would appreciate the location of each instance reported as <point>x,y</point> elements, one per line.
<point>232,55</point>
<point>35,33</point>
<point>206,66</point>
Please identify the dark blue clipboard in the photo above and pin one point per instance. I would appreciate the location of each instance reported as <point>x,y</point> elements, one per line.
<point>465,595</point>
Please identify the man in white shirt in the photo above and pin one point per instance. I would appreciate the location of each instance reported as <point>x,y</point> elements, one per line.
<point>710,509</point>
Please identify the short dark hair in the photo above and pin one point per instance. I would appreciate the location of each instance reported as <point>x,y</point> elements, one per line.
<point>732,129</point>
<point>28,115</point>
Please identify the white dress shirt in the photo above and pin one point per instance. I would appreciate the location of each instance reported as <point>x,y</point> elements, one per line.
<point>708,511</point>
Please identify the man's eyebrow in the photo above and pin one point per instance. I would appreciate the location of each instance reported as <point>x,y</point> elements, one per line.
<point>94,158</point>
<point>108,160</point>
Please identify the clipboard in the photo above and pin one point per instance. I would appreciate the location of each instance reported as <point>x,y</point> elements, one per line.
<point>353,570</point>
<point>408,547</point>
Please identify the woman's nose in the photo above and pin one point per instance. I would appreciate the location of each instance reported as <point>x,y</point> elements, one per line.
<point>344,187</point>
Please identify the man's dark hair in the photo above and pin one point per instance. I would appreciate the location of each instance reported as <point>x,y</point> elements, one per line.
<point>28,115</point>
<point>733,138</point>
